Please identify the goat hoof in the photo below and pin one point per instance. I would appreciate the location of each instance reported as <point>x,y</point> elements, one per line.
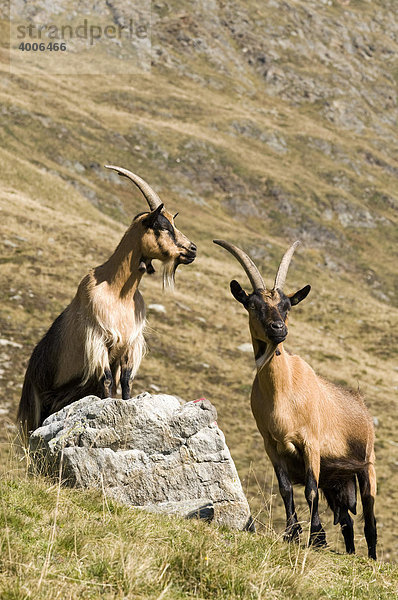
<point>292,533</point>
<point>372,553</point>
<point>318,538</point>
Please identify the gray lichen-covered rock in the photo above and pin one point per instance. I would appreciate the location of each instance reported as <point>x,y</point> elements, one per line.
<point>153,451</point>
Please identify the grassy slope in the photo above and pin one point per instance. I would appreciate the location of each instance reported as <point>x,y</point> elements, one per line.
<point>72,544</point>
<point>257,158</point>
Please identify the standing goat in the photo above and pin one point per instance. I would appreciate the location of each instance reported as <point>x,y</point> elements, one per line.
<point>98,339</point>
<point>315,433</point>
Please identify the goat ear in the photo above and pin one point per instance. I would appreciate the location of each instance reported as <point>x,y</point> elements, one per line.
<point>151,218</point>
<point>238,293</point>
<point>300,295</point>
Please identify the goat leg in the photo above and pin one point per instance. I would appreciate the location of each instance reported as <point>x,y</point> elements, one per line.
<point>125,376</point>
<point>317,533</point>
<point>347,529</point>
<point>341,498</point>
<point>293,527</point>
<point>107,383</point>
<point>367,488</point>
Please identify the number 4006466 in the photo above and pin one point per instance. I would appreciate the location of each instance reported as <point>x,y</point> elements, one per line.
<point>42,47</point>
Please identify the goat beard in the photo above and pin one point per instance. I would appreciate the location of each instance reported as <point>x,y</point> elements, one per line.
<point>266,357</point>
<point>169,271</point>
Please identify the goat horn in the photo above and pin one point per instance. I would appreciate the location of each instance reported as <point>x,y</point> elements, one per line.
<point>284,266</point>
<point>151,196</point>
<point>251,270</point>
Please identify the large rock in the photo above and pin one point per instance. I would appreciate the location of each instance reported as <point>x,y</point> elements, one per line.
<point>153,451</point>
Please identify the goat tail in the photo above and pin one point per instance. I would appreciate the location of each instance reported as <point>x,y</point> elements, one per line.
<point>336,470</point>
<point>338,483</point>
<point>70,392</point>
<point>29,410</point>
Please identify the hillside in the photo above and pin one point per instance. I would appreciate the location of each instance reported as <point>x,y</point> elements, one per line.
<point>261,123</point>
<point>61,543</point>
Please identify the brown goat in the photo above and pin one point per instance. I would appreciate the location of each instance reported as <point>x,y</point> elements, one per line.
<point>98,339</point>
<point>315,433</point>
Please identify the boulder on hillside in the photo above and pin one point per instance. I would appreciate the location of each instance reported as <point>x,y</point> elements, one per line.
<point>154,452</point>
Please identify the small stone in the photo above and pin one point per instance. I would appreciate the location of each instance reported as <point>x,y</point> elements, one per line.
<point>183,306</point>
<point>246,347</point>
<point>10,244</point>
<point>4,342</point>
<point>159,308</point>
<point>79,167</point>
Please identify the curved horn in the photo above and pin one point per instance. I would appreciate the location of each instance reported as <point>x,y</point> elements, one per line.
<point>152,198</point>
<point>251,270</point>
<point>283,267</point>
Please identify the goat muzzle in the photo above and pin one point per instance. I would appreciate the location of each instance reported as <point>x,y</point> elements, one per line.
<point>277,331</point>
<point>187,255</point>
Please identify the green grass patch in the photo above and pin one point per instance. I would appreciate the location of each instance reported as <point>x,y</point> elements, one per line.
<point>61,541</point>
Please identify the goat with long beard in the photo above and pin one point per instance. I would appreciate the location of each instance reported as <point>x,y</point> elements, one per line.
<point>98,340</point>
